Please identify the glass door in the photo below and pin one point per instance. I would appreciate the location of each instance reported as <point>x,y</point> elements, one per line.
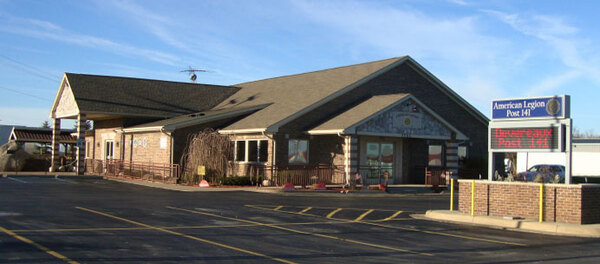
<point>380,159</point>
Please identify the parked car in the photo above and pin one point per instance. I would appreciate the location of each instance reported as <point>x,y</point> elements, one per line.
<point>550,173</point>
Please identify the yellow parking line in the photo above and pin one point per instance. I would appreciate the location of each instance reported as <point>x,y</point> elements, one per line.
<point>305,210</point>
<point>360,217</point>
<point>333,212</point>
<point>186,236</point>
<point>278,207</point>
<point>45,249</point>
<point>408,229</point>
<point>325,207</point>
<point>165,227</point>
<point>303,232</point>
<point>392,216</point>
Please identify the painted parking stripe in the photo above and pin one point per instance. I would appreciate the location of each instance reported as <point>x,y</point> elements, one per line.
<point>15,179</point>
<point>305,232</point>
<point>305,210</point>
<point>405,228</point>
<point>186,236</point>
<point>391,216</point>
<point>332,213</point>
<point>360,217</point>
<point>278,207</point>
<point>43,248</point>
<point>65,181</point>
<point>92,229</point>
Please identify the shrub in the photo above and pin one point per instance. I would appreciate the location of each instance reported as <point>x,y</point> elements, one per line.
<point>241,180</point>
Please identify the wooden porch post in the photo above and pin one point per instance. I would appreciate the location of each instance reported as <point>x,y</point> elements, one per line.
<point>55,161</point>
<point>81,120</point>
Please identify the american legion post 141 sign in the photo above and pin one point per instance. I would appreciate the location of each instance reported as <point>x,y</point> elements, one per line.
<point>529,124</point>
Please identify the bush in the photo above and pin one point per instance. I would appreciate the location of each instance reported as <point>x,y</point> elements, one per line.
<point>241,180</point>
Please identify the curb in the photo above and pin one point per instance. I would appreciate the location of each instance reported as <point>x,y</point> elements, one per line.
<point>552,228</point>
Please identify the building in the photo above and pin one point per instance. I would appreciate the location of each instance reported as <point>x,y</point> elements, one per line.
<point>586,152</point>
<point>390,115</point>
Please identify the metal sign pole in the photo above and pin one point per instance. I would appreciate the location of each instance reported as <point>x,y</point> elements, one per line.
<point>569,150</point>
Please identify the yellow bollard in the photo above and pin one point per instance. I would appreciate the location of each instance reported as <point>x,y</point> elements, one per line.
<point>541,202</point>
<point>451,194</point>
<point>473,197</point>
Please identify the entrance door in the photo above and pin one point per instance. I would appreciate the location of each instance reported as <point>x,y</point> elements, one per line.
<point>380,159</point>
<point>109,149</point>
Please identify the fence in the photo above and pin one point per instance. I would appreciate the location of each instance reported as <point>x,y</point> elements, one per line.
<point>166,173</point>
<point>306,175</point>
<point>435,176</point>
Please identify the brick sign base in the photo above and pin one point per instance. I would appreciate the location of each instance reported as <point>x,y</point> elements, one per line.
<point>574,204</point>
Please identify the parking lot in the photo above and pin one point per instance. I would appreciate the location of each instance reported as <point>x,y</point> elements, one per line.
<point>48,220</point>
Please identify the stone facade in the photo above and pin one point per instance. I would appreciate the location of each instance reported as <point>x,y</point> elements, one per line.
<point>574,204</point>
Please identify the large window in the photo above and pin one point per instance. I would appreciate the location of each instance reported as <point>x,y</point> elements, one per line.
<point>298,151</point>
<point>251,150</point>
<point>436,155</point>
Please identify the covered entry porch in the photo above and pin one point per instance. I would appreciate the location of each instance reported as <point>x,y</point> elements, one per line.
<point>393,139</point>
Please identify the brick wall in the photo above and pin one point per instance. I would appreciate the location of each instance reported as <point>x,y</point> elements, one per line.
<point>575,204</point>
<point>146,147</point>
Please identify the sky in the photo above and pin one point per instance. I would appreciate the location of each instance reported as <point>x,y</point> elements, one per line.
<point>483,50</point>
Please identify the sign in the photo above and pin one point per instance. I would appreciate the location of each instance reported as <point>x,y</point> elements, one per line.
<point>526,138</point>
<point>80,142</point>
<point>533,107</point>
<point>201,170</point>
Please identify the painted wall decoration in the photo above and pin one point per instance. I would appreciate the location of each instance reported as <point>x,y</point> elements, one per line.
<point>140,142</point>
<point>406,119</point>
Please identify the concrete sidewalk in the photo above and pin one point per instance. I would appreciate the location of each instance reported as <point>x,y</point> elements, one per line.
<point>398,189</point>
<point>523,225</point>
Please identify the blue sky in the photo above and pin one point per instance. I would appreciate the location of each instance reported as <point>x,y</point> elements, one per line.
<point>482,49</point>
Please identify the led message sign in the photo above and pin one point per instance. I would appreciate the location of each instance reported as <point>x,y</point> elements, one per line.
<point>525,138</point>
<point>535,107</point>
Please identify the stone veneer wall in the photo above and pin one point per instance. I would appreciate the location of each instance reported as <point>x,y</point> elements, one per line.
<point>574,204</point>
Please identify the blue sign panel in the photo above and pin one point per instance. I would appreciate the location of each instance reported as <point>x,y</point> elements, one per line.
<point>537,107</point>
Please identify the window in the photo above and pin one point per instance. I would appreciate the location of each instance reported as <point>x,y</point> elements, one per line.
<point>436,156</point>
<point>462,152</point>
<point>380,158</point>
<point>298,151</point>
<point>251,150</point>
<point>88,149</point>
<point>240,151</point>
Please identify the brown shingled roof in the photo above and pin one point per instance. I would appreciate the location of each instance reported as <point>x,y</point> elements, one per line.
<point>40,135</point>
<point>291,94</point>
<point>134,96</point>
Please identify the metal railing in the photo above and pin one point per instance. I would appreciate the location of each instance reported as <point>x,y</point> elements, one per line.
<point>151,171</point>
<point>306,174</point>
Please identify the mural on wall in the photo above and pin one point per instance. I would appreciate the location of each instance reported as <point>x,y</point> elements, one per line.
<point>407,120</point>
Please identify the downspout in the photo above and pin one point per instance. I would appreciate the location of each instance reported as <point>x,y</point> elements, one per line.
<point>273,151</point>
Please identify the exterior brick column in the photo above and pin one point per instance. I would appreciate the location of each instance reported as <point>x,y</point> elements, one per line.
<point>55,162</point>
<point>350,156</point>
<point>81,120</point>
<point>452,157</point>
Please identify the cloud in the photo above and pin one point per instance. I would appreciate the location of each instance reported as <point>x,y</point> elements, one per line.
<point>550,84</point>
<point>50,31</point>
<point>159,25</point>
<point>577,54</point>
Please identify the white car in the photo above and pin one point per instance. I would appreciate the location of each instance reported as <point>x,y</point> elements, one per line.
<point>550,173</point>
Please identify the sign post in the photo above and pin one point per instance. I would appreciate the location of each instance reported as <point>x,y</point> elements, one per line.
<point>535,124</point>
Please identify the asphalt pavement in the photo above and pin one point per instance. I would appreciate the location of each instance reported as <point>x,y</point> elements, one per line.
<point>92,220</point>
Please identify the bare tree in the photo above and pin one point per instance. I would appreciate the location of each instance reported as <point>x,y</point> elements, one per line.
<point>209,149</point>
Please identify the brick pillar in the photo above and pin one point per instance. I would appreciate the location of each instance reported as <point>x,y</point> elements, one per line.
<point>350,156</point>
<point>55,162</point>
<point>81,120</point>
<point>452,157</point>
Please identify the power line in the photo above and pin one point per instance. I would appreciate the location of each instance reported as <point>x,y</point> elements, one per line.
<point>30,69</point>
<point>23,93</point>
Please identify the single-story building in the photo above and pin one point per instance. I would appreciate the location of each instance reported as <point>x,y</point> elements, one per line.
<point>390,115</point>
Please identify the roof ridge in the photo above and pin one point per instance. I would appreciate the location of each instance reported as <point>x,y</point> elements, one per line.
<point>146,79</point>
<point>323,70</point>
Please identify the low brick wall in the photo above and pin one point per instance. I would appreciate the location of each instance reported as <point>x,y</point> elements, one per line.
<point>575,203</point>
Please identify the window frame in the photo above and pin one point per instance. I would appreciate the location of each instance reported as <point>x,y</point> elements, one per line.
<point>247,148</point>
<point>307,152</point>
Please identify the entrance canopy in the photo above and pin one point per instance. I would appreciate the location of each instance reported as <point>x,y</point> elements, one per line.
<point>395,115</point>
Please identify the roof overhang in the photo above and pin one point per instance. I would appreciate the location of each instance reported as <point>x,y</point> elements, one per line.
<point>352,129</point>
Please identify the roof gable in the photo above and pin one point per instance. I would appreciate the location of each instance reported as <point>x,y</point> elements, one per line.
<point>399,115</point>
<point>124,96</point>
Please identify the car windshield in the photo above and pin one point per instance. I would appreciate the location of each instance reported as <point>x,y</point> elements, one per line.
<point>533,169</point>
